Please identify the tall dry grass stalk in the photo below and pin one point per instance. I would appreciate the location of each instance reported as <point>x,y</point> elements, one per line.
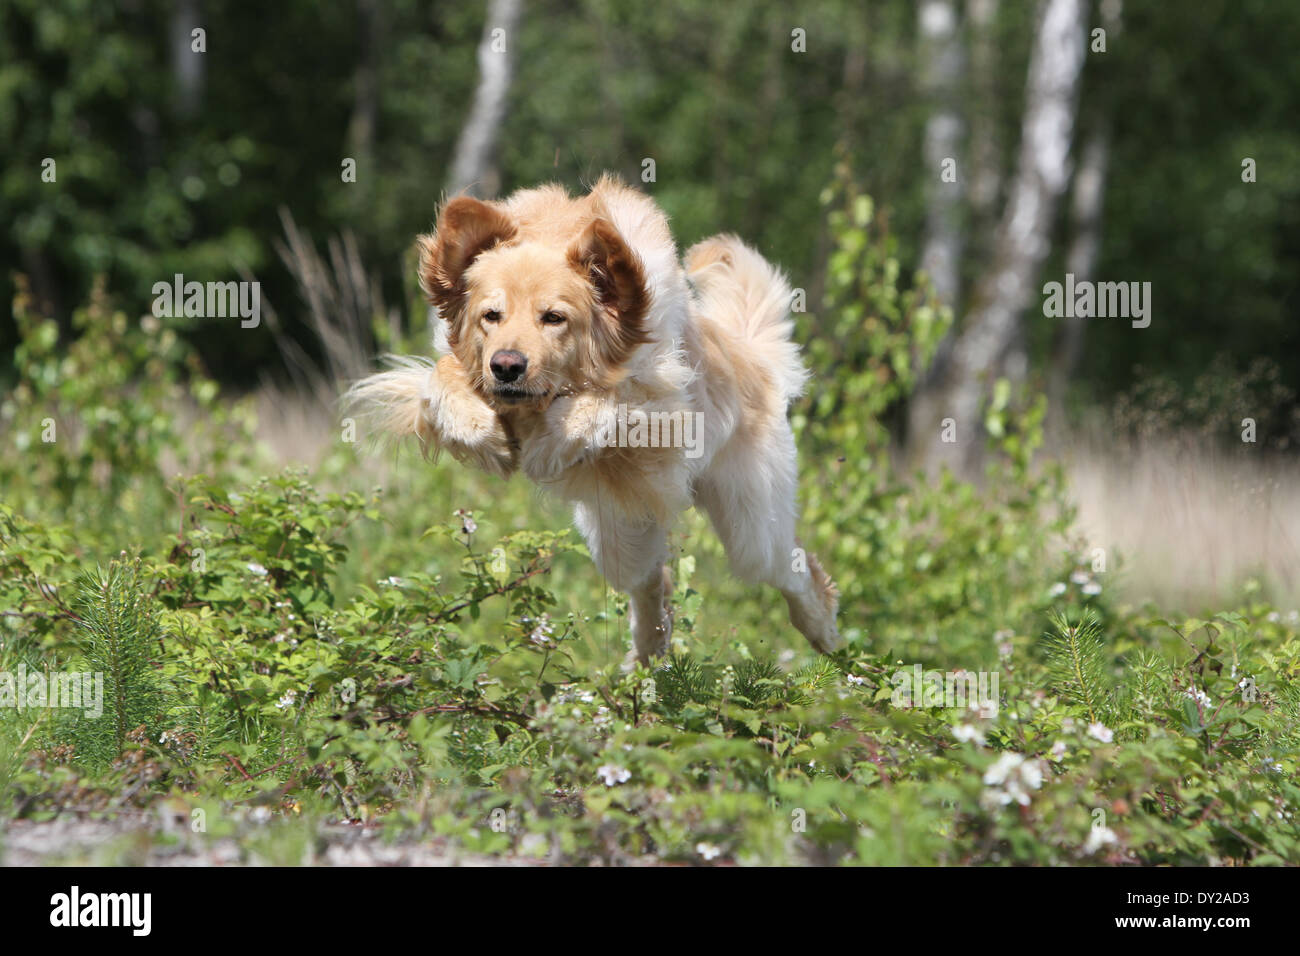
<point>298,418</point>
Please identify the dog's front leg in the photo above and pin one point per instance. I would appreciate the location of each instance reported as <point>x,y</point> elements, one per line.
<point>574,429</point>
<point>633,558</point>
<point>464,424</point>
<point>437,404</point>
<point>652,616</point>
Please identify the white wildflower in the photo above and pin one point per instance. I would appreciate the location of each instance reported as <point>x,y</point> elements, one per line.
<point>1101,732</point>
<point>967,733</point>
<point>708,851</point>
<point>541,634</point>
<point>1200,696</point>
<point>1099,837</point>
<point>1010,779</point>
<point>467,523</point>
<point>613,775</point>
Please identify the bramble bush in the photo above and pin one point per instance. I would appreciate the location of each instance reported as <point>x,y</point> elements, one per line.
<point>440,660</point>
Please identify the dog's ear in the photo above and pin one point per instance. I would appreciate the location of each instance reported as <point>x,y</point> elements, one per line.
<point>466,229</point>
<point>618,276</point>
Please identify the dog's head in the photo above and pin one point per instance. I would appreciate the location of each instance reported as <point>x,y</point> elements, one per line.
<point>530,317</point>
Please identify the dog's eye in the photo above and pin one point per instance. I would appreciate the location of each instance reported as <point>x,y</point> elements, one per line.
<point>553,318</point>
<point>491,315</point>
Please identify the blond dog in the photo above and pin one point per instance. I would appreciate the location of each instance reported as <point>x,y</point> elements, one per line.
<point>579,351</point>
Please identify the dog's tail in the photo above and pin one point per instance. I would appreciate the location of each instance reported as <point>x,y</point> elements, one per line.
<point>745,294</point>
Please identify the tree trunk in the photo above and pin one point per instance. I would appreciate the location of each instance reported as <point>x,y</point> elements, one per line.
<point>985,152</point>
<point>993,321</point>
<point>473,169</point>
<point>941,65</point>
<point>187,66</point>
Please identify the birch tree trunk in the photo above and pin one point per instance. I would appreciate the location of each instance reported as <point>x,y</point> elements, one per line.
<point>941,65</point>
<point>985,152</point>
<point>187,66</point>
<point>473,168</point>
<point>951,405</point>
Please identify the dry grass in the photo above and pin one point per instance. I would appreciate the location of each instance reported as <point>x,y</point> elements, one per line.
<point>1191,522</point>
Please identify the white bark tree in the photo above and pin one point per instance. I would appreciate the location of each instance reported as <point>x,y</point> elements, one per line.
<point>473,167</point>
<point>993,320</point>
<point>941,65</point>
<point>985,177</point>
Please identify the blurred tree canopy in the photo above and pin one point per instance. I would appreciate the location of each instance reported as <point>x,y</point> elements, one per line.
<point>174,161</point>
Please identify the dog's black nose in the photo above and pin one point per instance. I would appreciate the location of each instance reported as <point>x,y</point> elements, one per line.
<point>508,365</point>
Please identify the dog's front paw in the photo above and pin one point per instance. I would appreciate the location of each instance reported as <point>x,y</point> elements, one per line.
<point>467,426</point>
<point>571,433</point>
<point>483,444</point>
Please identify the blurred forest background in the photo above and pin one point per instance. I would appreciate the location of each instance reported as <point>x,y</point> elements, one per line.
<point>1124,164</point>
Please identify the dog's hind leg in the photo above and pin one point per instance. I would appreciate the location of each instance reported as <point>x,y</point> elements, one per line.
<point>750,499</point>
<point>813,603</point>
<point>633,557</point>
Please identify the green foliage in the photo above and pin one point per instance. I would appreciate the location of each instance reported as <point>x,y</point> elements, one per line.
<point>121,638</point>
<point>963,561</point>
<point>876,334</point>
<point>100,417</point>
<point>1076,664</point>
